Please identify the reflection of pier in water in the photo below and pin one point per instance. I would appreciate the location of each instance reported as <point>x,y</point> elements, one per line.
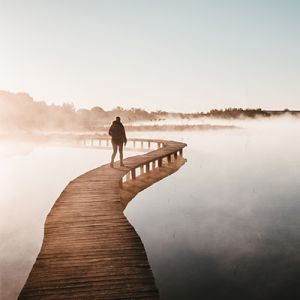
<point>90,250</point>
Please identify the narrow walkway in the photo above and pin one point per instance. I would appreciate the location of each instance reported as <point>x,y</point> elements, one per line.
<point>90,250</point>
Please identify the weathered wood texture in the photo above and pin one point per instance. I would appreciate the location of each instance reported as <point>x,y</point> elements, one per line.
<point>90,250</point>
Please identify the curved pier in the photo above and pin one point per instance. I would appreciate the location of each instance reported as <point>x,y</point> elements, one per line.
<point>90,250</point>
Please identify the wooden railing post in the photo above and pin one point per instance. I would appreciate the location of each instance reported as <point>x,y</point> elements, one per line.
<point>153,165</point>
<point>133,174</point>
<point>147,167</point>
<point>160,162</point>
<point>169,158</point>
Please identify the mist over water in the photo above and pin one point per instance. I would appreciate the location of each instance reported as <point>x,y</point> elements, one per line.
<point>32,176</point>
<point>226,225</point>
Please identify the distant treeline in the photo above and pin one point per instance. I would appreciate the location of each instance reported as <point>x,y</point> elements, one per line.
<point>18,111</point>
<point>230,113</point>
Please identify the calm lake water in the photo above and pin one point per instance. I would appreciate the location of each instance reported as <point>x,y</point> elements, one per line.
<point>225,226</point>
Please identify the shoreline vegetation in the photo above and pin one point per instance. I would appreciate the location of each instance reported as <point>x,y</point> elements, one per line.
<point>19,112</point>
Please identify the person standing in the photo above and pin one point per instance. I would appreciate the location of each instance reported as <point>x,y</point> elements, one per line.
<point>118,138</point>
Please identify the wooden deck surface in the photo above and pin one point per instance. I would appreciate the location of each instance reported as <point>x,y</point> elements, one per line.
<point>90,250</point>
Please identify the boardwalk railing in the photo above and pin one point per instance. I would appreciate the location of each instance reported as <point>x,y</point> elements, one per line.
<point>104,141</point>
<point>171,151</point>
<point>153,162</point>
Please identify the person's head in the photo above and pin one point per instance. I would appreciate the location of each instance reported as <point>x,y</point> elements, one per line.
<point>118,119</point>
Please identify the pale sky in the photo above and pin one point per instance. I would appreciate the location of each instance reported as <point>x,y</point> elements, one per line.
<point>171,55</point>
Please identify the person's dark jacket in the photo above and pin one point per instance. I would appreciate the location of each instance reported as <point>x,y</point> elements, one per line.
<point>117,133</point>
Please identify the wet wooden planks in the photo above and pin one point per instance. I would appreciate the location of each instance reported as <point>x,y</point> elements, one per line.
<point>90,250</point>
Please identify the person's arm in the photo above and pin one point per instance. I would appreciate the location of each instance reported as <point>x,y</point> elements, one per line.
<point>110,130</point>
<point>124,136</point>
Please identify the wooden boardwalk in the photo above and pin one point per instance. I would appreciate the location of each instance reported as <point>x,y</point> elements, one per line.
<point>90,250</point>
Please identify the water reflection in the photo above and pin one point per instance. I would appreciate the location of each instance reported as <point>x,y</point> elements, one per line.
<point>226,226</point>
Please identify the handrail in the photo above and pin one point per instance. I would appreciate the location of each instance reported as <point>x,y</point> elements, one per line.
<point>154,159</point>
<point>169,152</point>
<point>104,141</point>
<point>165,150</point>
